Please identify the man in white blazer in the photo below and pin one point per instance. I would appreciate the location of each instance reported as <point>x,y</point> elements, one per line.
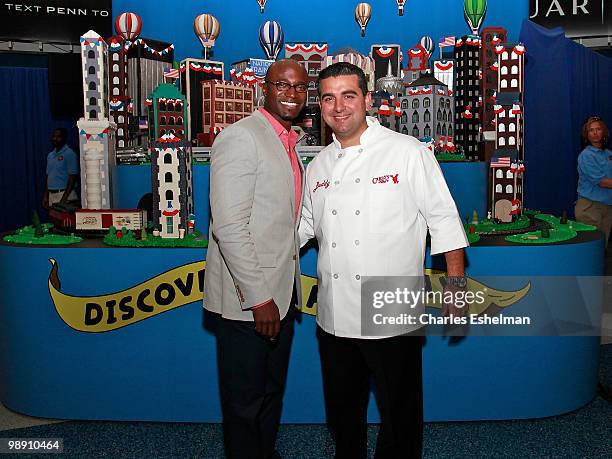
<point>252,267</point>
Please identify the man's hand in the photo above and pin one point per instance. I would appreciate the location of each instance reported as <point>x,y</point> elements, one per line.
<point>450,307</point>
<point>267,319</point>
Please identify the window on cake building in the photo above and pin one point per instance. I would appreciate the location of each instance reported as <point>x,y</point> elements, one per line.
<point>427,131</point>
<point>505,55</point>
<point>93,101</point>
<point>92,85</point>
<point>514,55</point>
<point>120,132</point>
<point>439,115</point>
<point>438,129</point>
<point>444,130</point>
<point>415,117</point>
<point>415,103</point>
<point>168,177</point>
<point>444,117</point>
<point>93,114</point>
<point>169,225</point>
<point>509,189</point>
<point>404,103</point>
<point>504,83</point>
<point>426,102</point>
<point>499,174</point>
<point>515,70</point>
<point>404,130</point>
<point>504,70</point>
<point>514,83</point>
<point>115,56</point>
<point>450,130</point>
<point>162,120</point>
<point>169,195</point>
<point>501,142</point>
<point>404,118</point>
<point>167,158</point>
<point>91,54</point>
<point>91,70</point>
<point>498,188</point>
<point>115,67</point>
<point>115,91</point>
<point>415,132</point>
<point>116,80</point>
<point>162,106</point>
<point>501,127</point>
<point>121,143</point>
<point>512,127</point>
<point>427,116</point>
<point>511,141</point>
<point>509,174</point>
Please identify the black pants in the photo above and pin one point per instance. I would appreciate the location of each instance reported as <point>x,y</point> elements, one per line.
<point>395,363</point>
<point>252,376</point>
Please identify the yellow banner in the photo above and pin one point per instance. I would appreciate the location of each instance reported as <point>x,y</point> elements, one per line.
<point>162,293</point>
<point>185,284</point>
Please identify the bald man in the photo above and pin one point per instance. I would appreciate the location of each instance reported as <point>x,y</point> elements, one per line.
<point>252,266</point>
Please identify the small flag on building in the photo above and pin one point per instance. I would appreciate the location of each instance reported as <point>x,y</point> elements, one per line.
<point>500,162</point>
<point>171,73</point>
<point>446,41</point>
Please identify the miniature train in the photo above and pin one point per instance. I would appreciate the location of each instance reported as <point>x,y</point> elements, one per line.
<point>68,219</point>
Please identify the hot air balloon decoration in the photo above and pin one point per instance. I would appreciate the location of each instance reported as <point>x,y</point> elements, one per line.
<point>427,43</point>
<point>474,12</point>
<point>363,11</point>
<point>400,7</point>
<point>262,3</point>
<point>207,28</point>
<point>271,38</point>
<point>128,26</point>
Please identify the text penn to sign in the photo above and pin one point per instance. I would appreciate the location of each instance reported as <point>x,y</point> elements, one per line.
<point>55,21</point>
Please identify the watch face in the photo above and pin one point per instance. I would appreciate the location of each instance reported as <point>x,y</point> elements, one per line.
<point>460,282</point>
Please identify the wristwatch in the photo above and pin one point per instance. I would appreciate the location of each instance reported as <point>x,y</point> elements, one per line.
<point>457,281</point>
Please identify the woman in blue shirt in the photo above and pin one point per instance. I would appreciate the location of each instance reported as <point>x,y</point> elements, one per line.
<point>594,205</point>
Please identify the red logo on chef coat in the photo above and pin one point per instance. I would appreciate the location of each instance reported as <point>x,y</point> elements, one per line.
<point>323,184</point>
<point>385,179</point>
<point>60,158</point>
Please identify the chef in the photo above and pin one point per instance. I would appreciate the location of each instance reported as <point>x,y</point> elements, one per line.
<point>371,196</point>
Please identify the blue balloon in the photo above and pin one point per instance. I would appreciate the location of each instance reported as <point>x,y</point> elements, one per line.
<point>271,38</point>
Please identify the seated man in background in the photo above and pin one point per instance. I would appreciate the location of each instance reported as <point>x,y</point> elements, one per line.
<point>62,171</point>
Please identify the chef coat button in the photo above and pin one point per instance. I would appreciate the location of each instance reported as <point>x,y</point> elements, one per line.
<point>333,245</point>
<point>357,277</point>
<point>357,180</point>
<point>356,241</point>
<point>357,212</point>
<point>335,276</point>
<point>334,212</point>
<point>337,182</point>
<point>361,150</point>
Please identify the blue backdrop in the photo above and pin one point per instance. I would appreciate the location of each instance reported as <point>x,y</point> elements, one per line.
<point>565,83</point>
<point>25,140</point>
<point>313,20</point>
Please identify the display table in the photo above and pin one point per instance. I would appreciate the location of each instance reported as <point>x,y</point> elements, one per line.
<point>163,367</point>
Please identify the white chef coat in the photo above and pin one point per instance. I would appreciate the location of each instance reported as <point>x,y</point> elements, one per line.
<point>370,207</point>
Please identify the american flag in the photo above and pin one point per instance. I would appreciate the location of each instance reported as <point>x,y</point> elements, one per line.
<point>500,162</point>
<point>171,73</point>
<point>446,41</point>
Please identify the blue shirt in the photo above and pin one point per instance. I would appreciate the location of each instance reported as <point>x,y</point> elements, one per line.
<point>60,165</point>
<point>593,166</point>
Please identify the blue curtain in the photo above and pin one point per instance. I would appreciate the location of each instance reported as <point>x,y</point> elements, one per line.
<point>564,84</point>
<point>25,134</point>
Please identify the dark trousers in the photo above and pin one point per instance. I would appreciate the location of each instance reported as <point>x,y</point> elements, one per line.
<point>252,376</point>
<point>395,363</point>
